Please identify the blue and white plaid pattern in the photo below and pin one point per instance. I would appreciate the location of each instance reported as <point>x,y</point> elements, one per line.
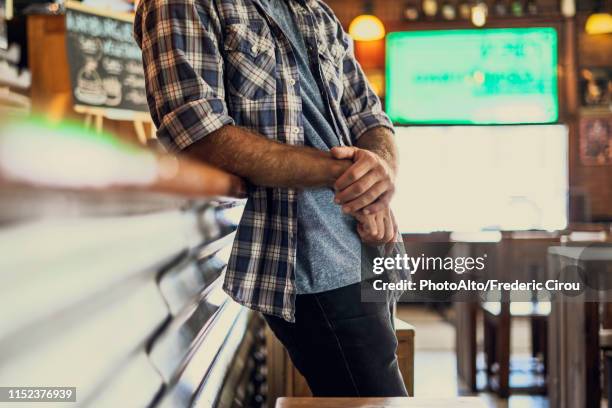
<point>211,63</point>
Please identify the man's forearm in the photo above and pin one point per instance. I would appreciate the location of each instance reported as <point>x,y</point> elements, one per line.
<point>265,162</point>
<point>381,141</point>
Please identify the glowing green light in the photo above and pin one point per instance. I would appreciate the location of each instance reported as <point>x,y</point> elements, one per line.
<point>37,126</point>
<point>67,155</point>
<point>490,76</point>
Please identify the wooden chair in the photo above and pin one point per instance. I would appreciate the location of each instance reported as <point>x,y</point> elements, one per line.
<point>521,256</point>
<point>497,331</point>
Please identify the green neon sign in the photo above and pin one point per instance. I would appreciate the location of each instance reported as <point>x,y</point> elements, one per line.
<point>486,76</point>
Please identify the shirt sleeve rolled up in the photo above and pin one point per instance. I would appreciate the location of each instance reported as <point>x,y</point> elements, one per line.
<point>360,104</point>
<point>183,69</point>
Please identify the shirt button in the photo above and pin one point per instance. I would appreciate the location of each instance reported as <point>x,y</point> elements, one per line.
<point>296,130</point>
<point>254,49</point>
<point>292,82</point>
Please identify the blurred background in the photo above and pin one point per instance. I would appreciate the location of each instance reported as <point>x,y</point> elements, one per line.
<point>503,111</point>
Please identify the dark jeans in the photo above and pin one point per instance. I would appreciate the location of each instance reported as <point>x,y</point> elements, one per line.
<point>343,347</point>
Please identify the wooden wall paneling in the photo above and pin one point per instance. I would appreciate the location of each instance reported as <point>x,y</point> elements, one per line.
<point>595,50</point>
<point>48,62</point>
<point>569,105</point>
<point>592,51</point>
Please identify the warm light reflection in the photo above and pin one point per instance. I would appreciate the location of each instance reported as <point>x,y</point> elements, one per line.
<point>367,28</point>
<point>599,23</point>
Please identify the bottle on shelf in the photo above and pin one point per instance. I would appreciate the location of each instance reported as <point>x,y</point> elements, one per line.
<point>500,8</point>
<point>517,8</point>
<point>411,11</point>
<point>465,10</point>
<point>532,7</point>
<point>448,11</point>
<point>430,8</point>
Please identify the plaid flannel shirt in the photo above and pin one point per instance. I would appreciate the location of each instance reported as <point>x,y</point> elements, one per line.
<point>211,63</point>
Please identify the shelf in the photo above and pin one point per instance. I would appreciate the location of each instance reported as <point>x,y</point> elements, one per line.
<point>595,111</point>
<point>492,22</point>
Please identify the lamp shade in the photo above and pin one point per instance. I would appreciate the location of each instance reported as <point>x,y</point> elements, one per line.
<point>367,27</point>
<point>599,23</point>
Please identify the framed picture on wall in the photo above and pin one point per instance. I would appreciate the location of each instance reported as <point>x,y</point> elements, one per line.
<point>596,141</point>
<point>596,87</point>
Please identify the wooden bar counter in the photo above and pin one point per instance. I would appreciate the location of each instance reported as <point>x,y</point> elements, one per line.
<point>467,402</point>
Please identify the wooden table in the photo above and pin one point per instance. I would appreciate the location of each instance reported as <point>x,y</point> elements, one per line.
<point>466,402</point>
<point>574,354</point>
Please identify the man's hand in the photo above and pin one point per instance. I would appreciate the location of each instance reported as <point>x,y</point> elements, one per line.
<point>379,228</point>
<point>368,185</point>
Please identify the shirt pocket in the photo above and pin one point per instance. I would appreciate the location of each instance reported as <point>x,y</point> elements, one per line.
<point>250,61</point>
<point>332,61</point>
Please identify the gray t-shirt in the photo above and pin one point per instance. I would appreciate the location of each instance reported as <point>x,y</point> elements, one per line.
<point>329,249</point>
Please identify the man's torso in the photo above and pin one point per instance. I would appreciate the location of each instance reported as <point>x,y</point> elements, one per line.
<point>328,249</point>
<point>245,70</point>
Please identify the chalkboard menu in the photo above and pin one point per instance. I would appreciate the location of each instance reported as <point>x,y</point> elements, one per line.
<point>105,62</point>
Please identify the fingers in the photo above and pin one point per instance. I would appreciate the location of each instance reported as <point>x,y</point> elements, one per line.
<point>388,235</point>
<point>368,225</point>
<point>361,217</point>
<point>369,197</point>
<point>377,229</point>
<point>395,226</point>
<point>372,227</point>
<point>362,166</point>
<point>389,246</point>
<point>364,231</point>
<point>343,152</point>
<point>369,228</point>
<point>369,179</point>
<point>356,189</point>
<point>382,203</point>
<point>380,223</point>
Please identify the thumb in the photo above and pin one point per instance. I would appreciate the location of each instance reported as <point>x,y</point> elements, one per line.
<point>361,217</point>
<point>343,152</point>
